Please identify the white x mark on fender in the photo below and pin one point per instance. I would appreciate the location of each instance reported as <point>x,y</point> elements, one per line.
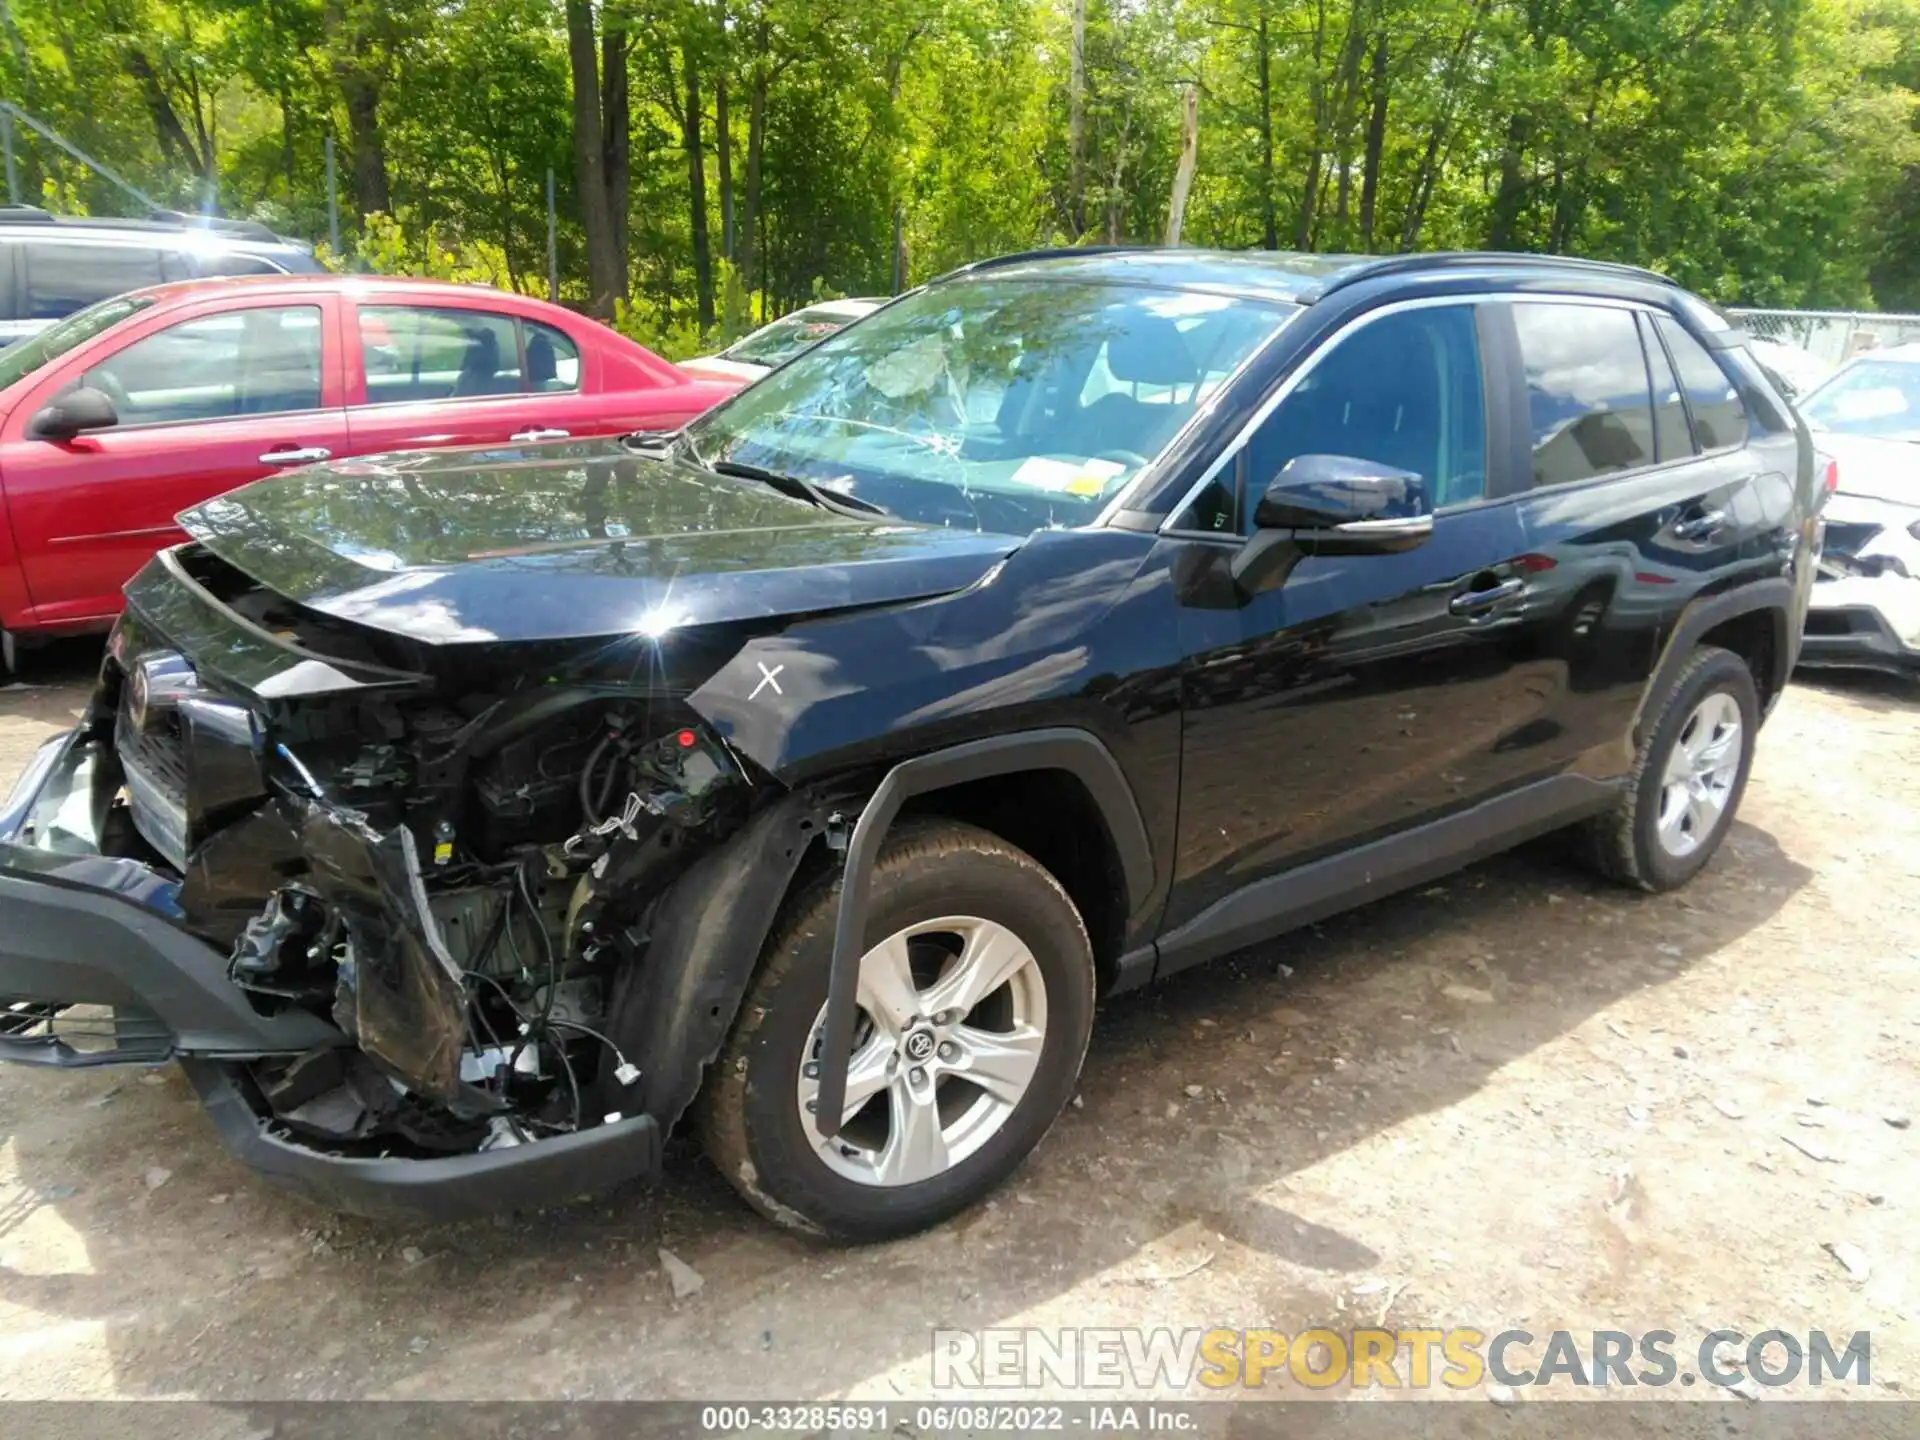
<point>766,679</point>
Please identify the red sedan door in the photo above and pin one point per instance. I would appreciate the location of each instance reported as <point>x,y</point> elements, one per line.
<point>456,370</point>
<point>230,392</point>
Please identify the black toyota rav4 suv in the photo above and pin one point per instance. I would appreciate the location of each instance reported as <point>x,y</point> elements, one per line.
<point>466,821</point>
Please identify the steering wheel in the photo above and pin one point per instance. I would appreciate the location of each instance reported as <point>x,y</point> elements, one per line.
<point>1131,458</point>
<point>108,384</point>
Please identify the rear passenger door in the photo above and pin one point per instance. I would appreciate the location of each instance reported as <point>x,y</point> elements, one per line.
<point>1641,499</point>
<point>441,375</point>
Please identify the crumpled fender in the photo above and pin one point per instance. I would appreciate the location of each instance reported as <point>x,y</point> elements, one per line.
<point>1025,641</point>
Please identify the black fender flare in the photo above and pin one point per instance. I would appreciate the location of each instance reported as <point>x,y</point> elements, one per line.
<point>671,1012</point>
<point>1774,593</point>
<point>1078,752</point>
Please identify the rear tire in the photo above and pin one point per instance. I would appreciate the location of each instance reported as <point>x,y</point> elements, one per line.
<point>1688,778</point>
<point>978,963</point>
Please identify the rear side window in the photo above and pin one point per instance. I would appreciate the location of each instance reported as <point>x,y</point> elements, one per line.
<point>1670,430</point>
<point>1589,411</point>
<point>1719,415</point>
<point>58,277</point>
<point>413,353</point>
<point>217,367</point>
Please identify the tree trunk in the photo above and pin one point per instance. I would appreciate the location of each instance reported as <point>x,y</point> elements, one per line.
<point>1077,124</point>
<point>697,188</point>
<point>723,146</point>
<point>1269,221</point>
<point>1511,198</point>
<point>750,209</point>
<point>175,143</point>
<point>616,134</point>
<point>360,91</point>
<point>1189,156</point>
<point>603,265</point>
<point>1344,117</point>
<point>1376,141</point>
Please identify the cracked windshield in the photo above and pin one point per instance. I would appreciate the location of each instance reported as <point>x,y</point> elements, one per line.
<point>1006,406</point>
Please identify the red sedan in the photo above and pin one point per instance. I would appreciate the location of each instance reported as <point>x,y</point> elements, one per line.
<point>121,416</point>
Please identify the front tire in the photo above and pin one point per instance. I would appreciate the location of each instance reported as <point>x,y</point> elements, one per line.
<point>976,1002</point>
<point>1688,778</point>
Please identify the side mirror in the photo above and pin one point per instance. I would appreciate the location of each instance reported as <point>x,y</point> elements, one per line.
<point>71,414</point>
<point>1344,506</point>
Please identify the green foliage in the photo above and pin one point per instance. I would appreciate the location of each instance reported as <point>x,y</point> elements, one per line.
<point>1761,150</point>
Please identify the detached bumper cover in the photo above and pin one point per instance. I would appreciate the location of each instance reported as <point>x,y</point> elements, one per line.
<point>1865,606</point>
<point>450,1187</point>
<point>78,928</point>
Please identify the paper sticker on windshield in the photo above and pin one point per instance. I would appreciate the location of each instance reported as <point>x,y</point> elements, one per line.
<point>1066,477</point>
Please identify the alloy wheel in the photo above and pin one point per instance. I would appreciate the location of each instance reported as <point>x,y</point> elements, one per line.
<point>953,1020</point>
<point>1700,774</point>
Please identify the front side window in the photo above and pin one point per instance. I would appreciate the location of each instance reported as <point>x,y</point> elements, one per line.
<point>414,353</point>
<point>1589,410</point>
<point>217,262</point>
<point>1719,415</point>
<point>59,277</point>
<point>1403,390</point>
<point>969,403</point>
<point>217,367</point>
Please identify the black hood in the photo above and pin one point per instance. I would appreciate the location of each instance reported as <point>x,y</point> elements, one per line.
<point>566,541</point>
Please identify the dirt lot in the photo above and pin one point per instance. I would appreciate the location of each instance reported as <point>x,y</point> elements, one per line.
<point>1519,1098</point>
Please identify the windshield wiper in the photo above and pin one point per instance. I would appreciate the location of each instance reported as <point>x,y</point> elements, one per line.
<point>800,489</point>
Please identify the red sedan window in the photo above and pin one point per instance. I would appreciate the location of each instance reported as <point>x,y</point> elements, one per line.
<point>553,361</point>
<point>263,361</point>
<point>413,353</point>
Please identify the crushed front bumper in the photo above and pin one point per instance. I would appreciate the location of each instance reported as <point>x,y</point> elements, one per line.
<point>82,929</point>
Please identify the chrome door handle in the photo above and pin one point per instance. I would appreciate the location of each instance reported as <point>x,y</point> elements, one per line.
<point>1475,602</point>
<point>1710,522</point>
<point>527,437</point>
<point>301,455</point>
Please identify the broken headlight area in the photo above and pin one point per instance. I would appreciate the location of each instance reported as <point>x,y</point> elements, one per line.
<point>466,943</point>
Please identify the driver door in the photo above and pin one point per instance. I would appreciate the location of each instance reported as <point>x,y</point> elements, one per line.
<point>1367,693</point>
<point>206,403</point>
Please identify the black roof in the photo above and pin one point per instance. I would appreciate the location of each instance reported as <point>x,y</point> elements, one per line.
<point>1282,275</point>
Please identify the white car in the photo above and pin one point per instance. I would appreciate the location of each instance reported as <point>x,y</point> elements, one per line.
<point>1865,609</point>
<point>779,341</point>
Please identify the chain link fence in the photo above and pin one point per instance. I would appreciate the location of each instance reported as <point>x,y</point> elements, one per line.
<point>1834,336</point>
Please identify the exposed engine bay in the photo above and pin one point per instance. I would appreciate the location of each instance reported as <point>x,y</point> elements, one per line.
<point>455,884</point>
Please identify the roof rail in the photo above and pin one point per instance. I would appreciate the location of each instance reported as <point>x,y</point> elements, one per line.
<point>1466,259</point>
<point>239,229</point>
<point>25,212</point>
<point>1043,252</point>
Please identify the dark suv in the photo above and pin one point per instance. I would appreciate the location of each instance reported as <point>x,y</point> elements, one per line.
<point>51,266</point>
<point>466,821</point>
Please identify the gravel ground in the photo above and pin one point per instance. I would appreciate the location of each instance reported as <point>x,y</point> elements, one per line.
<point>1519,1098</point>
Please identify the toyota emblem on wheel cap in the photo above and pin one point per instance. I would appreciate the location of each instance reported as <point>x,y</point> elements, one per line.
<point>920,1045</point>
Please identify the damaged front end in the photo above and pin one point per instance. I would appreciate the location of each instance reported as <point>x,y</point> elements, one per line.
<point>428,933</point>
<point>1864,610</point>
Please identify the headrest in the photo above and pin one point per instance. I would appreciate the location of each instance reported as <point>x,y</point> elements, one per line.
<point>1151,351</point>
